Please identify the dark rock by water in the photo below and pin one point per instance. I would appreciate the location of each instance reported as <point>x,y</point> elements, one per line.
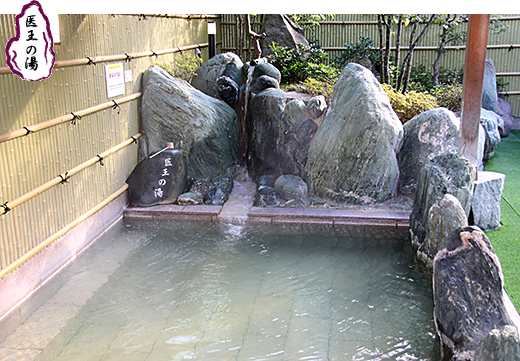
<point>158,180</point>
<point>267,196</point>
<point>448,173</point>
<point>428,134</point>
<point>267,133</point>
<point>291,187</point>
<point>205,128</point>
<point>215,197</point>
<point>353,156</point>
<point>205,185</point>
<point>468,293</point>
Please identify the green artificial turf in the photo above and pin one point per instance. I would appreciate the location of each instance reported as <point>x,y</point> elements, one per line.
<point>506,239</point>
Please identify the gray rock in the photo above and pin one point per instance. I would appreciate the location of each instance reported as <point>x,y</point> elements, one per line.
<point>428,134</point>
<point>352,158</point>
<point>504,112</point>
<point>294,203</point>
<point>291,187</point>
<point>264,82</point>
<point>444,217</point>
<point>227,90</point>
<point>205,128</point>
<point>491,123</point>
<point>485,207</point>
<point>205,185</point>
<point>228,64</point>
<point>317,106</point>
<point>266,69</point>
<point>215,197</point>
<point>266,180</point>
<point>267,197</point>
<point>158,180</point>
<point>294,111</point>
<point>499,344</point>
<point>190,198</point>
<point>267,133</point>
<point>448,173</point>
<point>489,87</point>
<point>282,30</point>
<point>468,292</point>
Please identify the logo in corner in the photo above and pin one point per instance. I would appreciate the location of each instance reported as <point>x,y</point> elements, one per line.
<point>30,54</point>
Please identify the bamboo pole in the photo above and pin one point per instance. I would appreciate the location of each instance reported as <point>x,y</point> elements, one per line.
<point>60,233</point>
<point>63,177</point>
<point>64,118</point>
<point>107,58</point>
<point>472,85</point>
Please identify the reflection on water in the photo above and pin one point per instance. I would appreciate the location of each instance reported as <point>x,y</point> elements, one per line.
<point>195,290</point>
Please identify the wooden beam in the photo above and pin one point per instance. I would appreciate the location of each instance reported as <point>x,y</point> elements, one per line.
<point>474,64</point>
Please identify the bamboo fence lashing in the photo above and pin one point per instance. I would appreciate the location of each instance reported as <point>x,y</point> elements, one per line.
<point>89,60</point>
<point>65,118</point>
<point>7,206</point>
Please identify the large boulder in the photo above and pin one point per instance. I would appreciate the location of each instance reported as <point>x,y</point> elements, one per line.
<point>448,173</point>
<point>485,207</point>
<point>504,112</point>
<point>468,293</point>
<point>159,179</point>
<point>445,216</point>
<point>226,64</point>
<point>353,156</point>
<point>489,87</point>
<point>491,123</point>
<point>267,133</point>
<point>428,134</point>
<point>499,344</point>
<point>282,30</point>
<point>205,128</point>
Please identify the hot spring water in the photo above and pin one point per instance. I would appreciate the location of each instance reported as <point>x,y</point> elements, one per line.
<point>182,290</point>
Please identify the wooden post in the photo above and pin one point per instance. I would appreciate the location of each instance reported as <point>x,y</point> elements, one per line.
<point>474,64</point>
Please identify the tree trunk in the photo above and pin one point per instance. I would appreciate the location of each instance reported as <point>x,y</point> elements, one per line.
<point>388,24</point>
<point>398,47</point>
<point>381,47</point>
<point>409,56</point>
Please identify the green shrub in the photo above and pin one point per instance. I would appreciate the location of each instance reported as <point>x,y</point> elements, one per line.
<point>313,87</point>
<point>356,51</point>
<point>449,96</point>
<point>183,67</point>
<point>408,105</point>
<point>298,64</point>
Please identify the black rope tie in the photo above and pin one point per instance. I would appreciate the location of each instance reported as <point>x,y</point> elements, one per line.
<point>90,61</point>
<point>134,140</point>
<point>28,131</point>
<point>74,118</point>
<point>116,106</point>
<point>100,160</point>
<point>64,178</point>
<point>128,57</point>
<point>153,53</point>
<point>6,208</point>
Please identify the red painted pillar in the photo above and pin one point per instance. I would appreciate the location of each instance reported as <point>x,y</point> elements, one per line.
<point>476,44</point>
